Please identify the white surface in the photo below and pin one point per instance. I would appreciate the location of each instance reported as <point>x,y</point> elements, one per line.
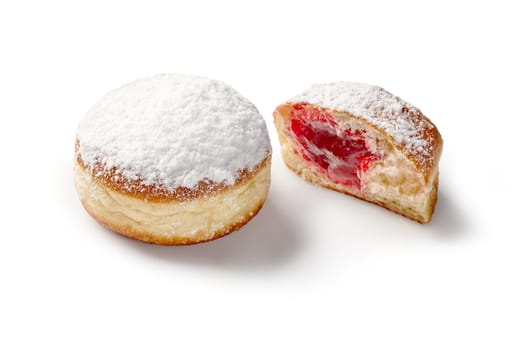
<point>150,128</point>
<point>314,267</point>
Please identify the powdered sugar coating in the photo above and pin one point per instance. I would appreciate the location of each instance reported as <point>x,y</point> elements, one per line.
<point>380,108</point>
<point>173,131</point>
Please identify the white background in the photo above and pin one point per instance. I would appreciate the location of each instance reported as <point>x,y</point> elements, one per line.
<point>314,268</point>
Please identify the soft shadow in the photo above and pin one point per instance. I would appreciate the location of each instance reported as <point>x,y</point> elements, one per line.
<point>449,221</point>
<point>268,241</point>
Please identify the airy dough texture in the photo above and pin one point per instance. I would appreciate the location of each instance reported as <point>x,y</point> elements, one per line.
<point>174,222</point>
<point>394,182</point>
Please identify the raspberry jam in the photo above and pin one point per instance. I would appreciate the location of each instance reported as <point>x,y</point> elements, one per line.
<point>341,154</point>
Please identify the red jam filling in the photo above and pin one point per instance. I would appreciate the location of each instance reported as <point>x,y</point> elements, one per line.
<point>341,154</point>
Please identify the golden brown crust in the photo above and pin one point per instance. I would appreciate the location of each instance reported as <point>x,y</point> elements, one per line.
<point>148,237</point>
<point>173,223</point>
<point>157,193</point>
<point>433,199</point>
<point>424,163</point>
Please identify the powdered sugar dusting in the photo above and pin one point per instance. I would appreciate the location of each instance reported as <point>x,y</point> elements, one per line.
<point>174,131</point>
<point>379,107</point>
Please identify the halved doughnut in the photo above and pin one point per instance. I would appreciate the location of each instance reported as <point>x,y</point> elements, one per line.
<point>363,141</point>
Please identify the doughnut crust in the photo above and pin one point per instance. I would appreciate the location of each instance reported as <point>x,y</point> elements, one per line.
<point>165,220</point>
<point>363,141</point>
<point>172,160</point>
